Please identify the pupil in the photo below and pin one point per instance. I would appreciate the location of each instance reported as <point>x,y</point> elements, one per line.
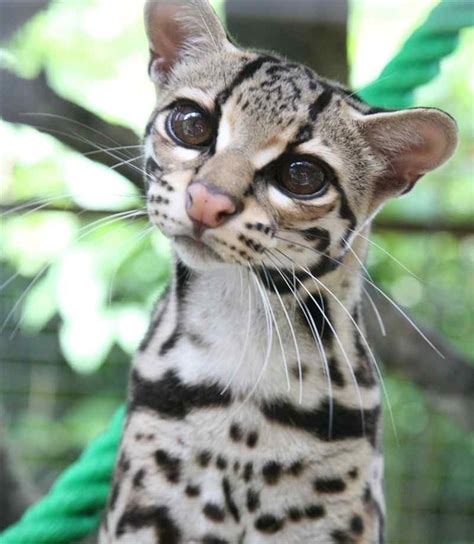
<point>193,125</point>
<point>302,173</point>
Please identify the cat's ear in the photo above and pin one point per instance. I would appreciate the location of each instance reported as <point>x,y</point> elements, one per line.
<point>411,142</point>
<point>179,29</point>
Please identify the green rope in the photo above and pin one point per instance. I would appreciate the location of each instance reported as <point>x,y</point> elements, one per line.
<point>418,61</point>
<point>72,508</point>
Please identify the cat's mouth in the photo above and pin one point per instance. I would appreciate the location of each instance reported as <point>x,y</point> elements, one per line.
<point>195,248</point>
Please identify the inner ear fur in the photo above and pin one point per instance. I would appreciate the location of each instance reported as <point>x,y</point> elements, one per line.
<point>177,29</point>
<point>411,143</point>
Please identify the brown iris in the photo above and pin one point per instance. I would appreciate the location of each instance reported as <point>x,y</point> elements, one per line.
<point>190,126</point>
<point>303,177</point>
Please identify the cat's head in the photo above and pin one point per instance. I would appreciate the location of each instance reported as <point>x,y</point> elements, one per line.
<point>252,159</point>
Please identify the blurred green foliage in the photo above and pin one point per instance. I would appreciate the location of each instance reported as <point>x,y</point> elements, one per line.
<point>97,281</point>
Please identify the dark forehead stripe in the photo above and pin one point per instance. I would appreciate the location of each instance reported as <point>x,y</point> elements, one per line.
<point>172,398</point>
<point>348,423</point>
<point>320,104</point>
<point>246,72</point>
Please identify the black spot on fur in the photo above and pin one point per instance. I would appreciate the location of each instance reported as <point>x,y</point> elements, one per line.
<point>248,471</point>
<point>253,500</point>
<point>252,439</point>
<point>367,497</point>
<point>316,234</point>
<point>183,277</point>
<point>192,490</point>
<point>229,501</point>
<point>295,514</point>
<point>269,524</point>
<point>348,423</point>
<point>171,341</point>
<point>353,473</point>
<point>357,525</point>
<point>114,493</point>
<point>316,315</point>
<point>155,323</point>
<point>341,537</point>
<point>221,462</point>
<point>271,472</point>
<point>204,458</point>
<point>236,466</point>
<point>329,485</point>
<point>364,372</point>
<point>235,432</point>
<point>295,370</point>
<point>157,518</point>
<point>337,377</point>
<point>214,512</point>
<point>314,511</point>
<point>170,465</point>
<point>296,468</point>
<point>172,398</point>
<point>211,539</point>
<point>123,463</point>
<point>137,480</point>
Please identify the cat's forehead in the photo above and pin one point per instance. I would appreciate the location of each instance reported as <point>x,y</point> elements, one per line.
<point>257,96</point>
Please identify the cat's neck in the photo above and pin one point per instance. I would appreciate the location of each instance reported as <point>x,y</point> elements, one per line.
<point>227,326</point>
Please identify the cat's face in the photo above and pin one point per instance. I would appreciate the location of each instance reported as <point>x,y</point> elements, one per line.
<point>253,160</point>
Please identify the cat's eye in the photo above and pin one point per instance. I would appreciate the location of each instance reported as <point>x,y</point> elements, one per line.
<point>190,126</point>
<point>303,177</point>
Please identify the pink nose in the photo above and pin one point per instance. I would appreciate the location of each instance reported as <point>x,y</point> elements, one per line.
<point>208,206</point>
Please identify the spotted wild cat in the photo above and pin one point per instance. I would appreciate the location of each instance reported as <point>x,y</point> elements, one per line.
<point>254,411</point>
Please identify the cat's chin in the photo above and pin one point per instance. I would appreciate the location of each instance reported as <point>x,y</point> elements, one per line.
<point>197,255</point>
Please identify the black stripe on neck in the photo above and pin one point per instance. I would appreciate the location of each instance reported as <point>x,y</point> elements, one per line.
<point>172,398</point>
<point>347,423</point>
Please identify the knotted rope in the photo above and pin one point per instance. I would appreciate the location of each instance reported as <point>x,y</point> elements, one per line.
<point>72,508</point>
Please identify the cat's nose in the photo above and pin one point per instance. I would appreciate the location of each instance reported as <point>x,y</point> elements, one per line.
<point>208,206</point>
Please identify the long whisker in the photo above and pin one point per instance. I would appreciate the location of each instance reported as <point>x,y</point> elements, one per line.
<point>119,148</point>
<point>364,340</point>
<point>30,205</point>
<point>97,224</point>
<point>295,342</point>
<point>269,341</point>
<point>317,340</point>
<point>370,299</point>
<point>75,122</point>
<point>136,238</point>
<point>381,248</point>
<point>376,311</point>
<point>404,314</point>
<point>277,329</point>
<point>92,144</point>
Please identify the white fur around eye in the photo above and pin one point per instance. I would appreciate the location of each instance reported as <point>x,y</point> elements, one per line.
<point>267,155</point>
<point>224,136</point>
<point>281,200</point>
<point>318,149</point>
<point>203,98</point>
<point>184,154</point>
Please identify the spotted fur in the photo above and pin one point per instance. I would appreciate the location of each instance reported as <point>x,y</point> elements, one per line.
<point>254,411</point>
